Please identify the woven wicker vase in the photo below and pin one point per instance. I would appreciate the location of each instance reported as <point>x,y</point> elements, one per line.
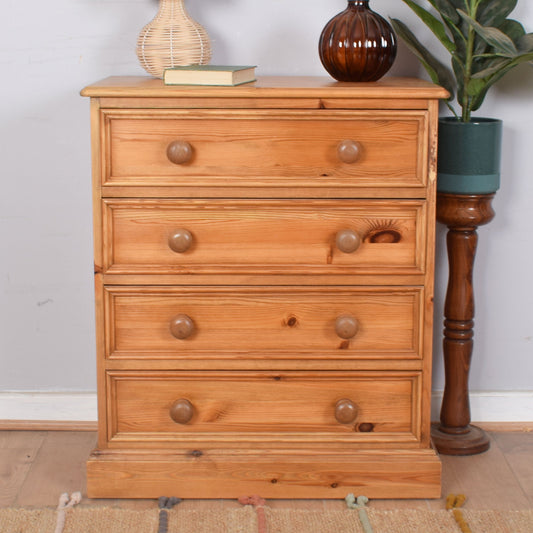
<point>172,39</point>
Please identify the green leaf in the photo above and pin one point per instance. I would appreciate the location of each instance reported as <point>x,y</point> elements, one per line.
<point>438,73</point>
<point>477,102</point>
<point>512,29</point>
<point>489,82</point>
<point>523,58</point>
<point>458,3</point>
<point>460,42</point>
<point>493,68</point>
<point>525,43</point>
<point>434,24</point>
<point>459,71</point>
<point>446,9</point>
<point>503,65</point>
<point>494,12</point>
<point>482,85</point>
<point>492,36</point>
<point>475,87</point>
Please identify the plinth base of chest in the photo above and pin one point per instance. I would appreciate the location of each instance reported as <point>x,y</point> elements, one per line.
<point>291,474</point>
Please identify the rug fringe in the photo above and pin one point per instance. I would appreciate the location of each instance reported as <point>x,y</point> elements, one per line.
<point>165,503</point>
<point>65,502</point>
<point>453,502</point>
<point>259,504</point>
<point>360,505</point>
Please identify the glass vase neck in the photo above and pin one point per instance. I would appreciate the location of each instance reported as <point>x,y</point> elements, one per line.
<point>358,3</point>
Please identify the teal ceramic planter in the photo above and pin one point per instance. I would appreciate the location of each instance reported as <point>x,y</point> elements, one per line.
<point>469,156</point>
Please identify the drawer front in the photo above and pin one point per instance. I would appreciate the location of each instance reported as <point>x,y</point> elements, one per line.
<point>262,149</point>
<point>246,323</point>
<point>240,406</point>
<point>290,237</point>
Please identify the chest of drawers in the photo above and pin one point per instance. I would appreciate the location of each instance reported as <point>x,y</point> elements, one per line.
<point>264,285</point>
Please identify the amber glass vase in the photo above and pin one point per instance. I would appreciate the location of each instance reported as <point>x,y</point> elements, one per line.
<point>357,44</point>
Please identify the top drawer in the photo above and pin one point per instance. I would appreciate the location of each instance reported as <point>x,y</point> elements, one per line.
<point>259,149</point>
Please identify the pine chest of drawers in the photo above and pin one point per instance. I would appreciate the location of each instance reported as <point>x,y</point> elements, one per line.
<point>264,285</point>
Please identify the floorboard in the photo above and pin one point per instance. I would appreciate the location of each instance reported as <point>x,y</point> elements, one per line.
<point>59,467</point>
<point>518,451</point>
<point>486,479</point>
<point>18,450</point>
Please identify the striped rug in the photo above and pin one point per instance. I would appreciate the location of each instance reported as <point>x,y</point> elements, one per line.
<point>245,520</point>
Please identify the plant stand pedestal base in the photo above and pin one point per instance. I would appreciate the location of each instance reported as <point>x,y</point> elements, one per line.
<point>473,441</point>
<point>462,213</point>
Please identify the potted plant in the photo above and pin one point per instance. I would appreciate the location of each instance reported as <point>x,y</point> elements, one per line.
<point>484,45</point>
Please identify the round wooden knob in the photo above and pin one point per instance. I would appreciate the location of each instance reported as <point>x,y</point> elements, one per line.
<point>179,152</point>
<point>180,240</point>
<point>182,326</point>
<point>346,411</point>
<point>346,326</point>
<point>348,151</point>
<point>182,411</point>
<point>347,241</point>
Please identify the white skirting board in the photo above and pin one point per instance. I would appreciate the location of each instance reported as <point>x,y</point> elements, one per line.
<point>485,406</point>
<point>493,406</point>
<point>56,406</point>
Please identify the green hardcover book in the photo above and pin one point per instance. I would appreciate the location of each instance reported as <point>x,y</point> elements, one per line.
<point>209,75</point>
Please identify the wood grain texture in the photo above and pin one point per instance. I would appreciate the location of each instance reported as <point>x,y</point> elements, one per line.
<point>385,90</point>
<point>47,425</point>
<point>268,237</point>
<point>249,323</point>
<point>255,148</point>
<point>230,319</point>
<point>254,409</point>
<point>385,475</point>
<point>462,214</point>
<point>267,190</point>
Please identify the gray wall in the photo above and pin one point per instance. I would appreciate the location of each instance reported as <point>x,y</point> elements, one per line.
<point>49,51</point>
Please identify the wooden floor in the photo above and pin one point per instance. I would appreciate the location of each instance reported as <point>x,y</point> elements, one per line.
<point>37,466</point>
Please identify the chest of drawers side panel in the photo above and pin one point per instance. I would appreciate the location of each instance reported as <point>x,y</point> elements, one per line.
<point>98,244</point>
<point>429,281</point>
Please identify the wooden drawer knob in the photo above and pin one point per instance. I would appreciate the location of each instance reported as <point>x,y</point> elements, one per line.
<point>180,241</point>
<point>182,326</point>
<point>346,411</point>
<point>347,241</point>
<point>182,411</point>
<point>348,151</point>
<point>346,326</point>
<point>179,152</point>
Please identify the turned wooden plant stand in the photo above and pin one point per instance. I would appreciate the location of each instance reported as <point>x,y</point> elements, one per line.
<point>462,214</point>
